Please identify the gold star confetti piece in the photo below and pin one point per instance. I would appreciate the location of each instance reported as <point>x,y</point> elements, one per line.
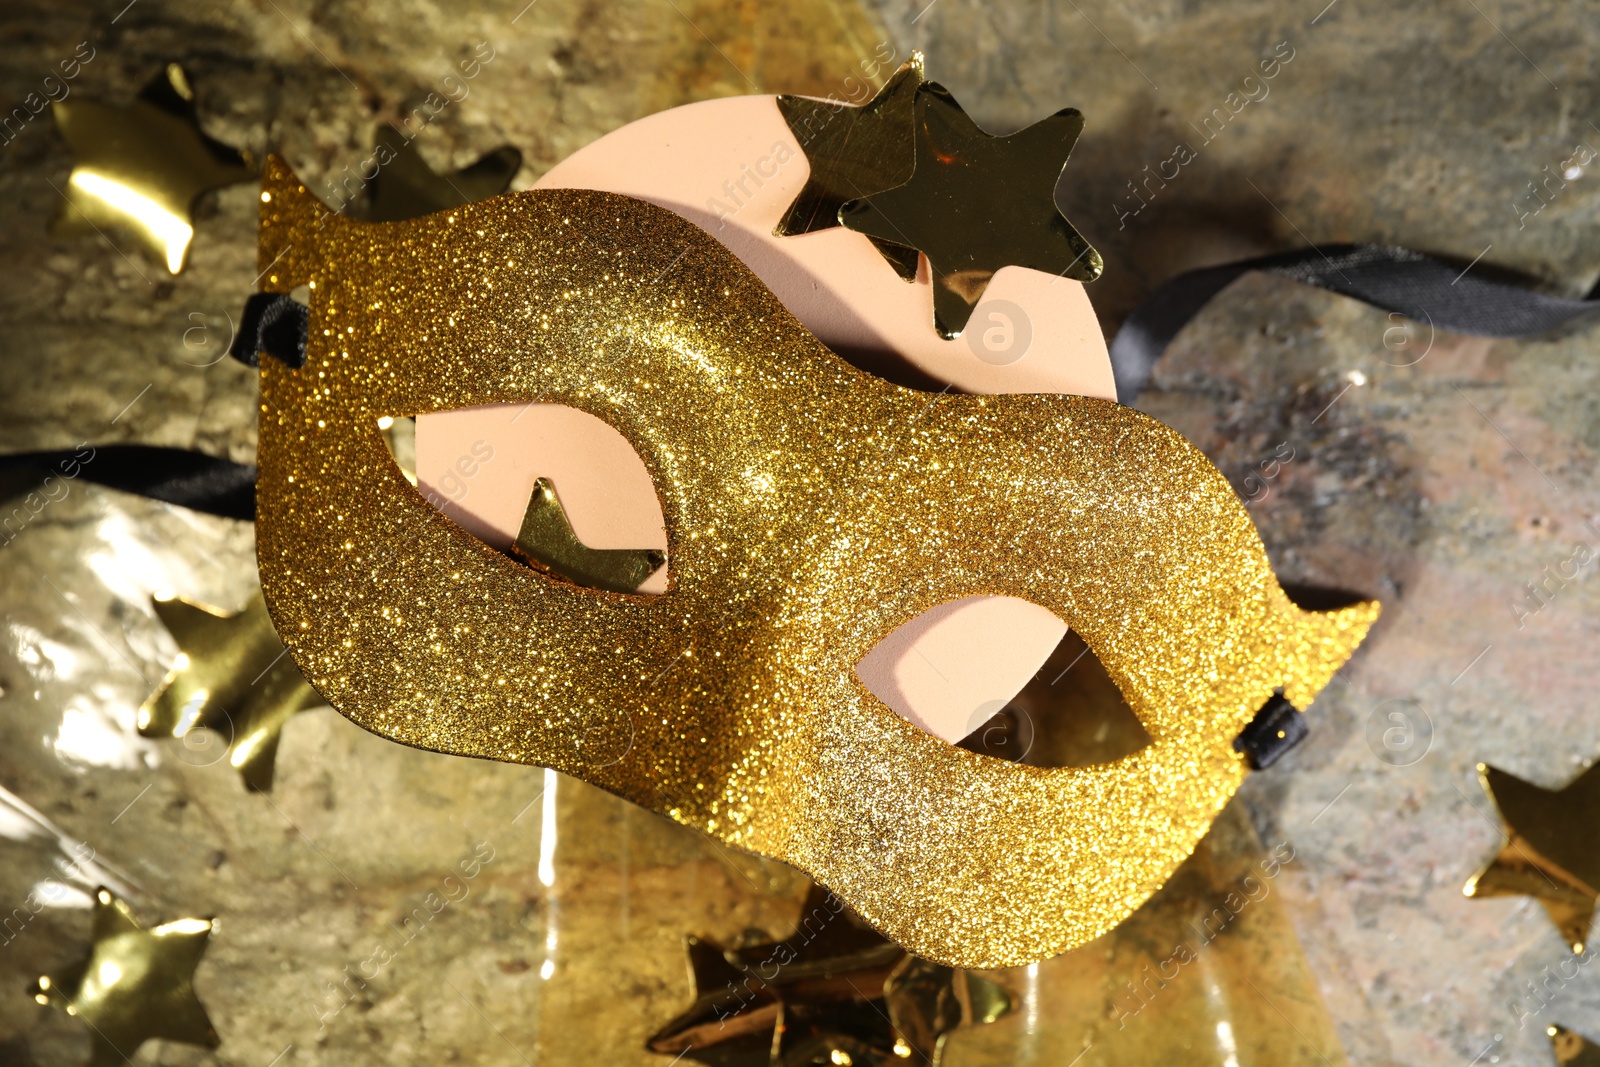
<point>231,676</point>
<point>1572,1049</point>
<point>1552,850</point>
<point>547,542</point>
<point>976,203</point>
<point>405,187</point>
<point>854,152</point>
<point>142,167</point>
<point>833,993</point>
<point>136,984</point>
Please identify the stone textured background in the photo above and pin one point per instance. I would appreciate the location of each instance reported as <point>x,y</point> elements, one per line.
<point>1451,476</point>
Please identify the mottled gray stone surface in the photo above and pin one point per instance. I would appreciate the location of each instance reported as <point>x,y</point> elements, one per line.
<point>1442,487</point>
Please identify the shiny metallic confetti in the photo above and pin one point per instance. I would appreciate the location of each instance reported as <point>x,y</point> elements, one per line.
<point>135,984</point>
<point>854,152</point>
<point>140,168</point>
<point>403,186</point>
<point>976,203</point>
<point>1572,1049</point>
<point>833,993</point>
<point>1552,849</point>
<point>810,509</point>
<point>546,540</point>
<point>231,677</point>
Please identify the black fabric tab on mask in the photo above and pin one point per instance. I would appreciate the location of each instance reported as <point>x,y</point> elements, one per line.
<point>193,480</point>
<point>1277,728</point>
<point>275,324</point>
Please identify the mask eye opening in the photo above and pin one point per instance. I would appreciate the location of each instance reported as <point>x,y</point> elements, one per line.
<point>400,435</point>
<point>1069,714</point>
<point>1005,677</point>
<point>536,532</point>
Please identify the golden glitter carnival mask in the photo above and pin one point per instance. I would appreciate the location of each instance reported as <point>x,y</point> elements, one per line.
<point>811,509</point>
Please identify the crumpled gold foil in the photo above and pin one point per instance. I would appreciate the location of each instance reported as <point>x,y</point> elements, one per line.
<point>833,992</point>
<point>810,509</point>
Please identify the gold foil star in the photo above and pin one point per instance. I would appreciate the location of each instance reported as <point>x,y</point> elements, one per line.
<point>136,984</point>
<point>833,993</point>
<point>231,676</point>
<point>1572,1049</point>
<point>405,187</point>
<point>1552,850</point>
<point>976,203</point>
<point>547,542</point>
<point>142,167</point>
<point>854,152</point>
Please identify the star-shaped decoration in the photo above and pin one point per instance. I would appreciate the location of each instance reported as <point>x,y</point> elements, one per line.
<point>405,187</point>
<point>233,676</point>
<point>1552,850</point>
<point>142,167</point>
<point>834,993</point>
<point>976,203</point>
<point>135,984</point>
<point>547,542</point>
<point>854,152</point>
<point>1572,1049</point>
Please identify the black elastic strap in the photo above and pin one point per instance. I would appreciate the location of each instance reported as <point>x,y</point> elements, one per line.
<point>1420,287</point>
<point>275,324</point>
<point>193,480</point>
